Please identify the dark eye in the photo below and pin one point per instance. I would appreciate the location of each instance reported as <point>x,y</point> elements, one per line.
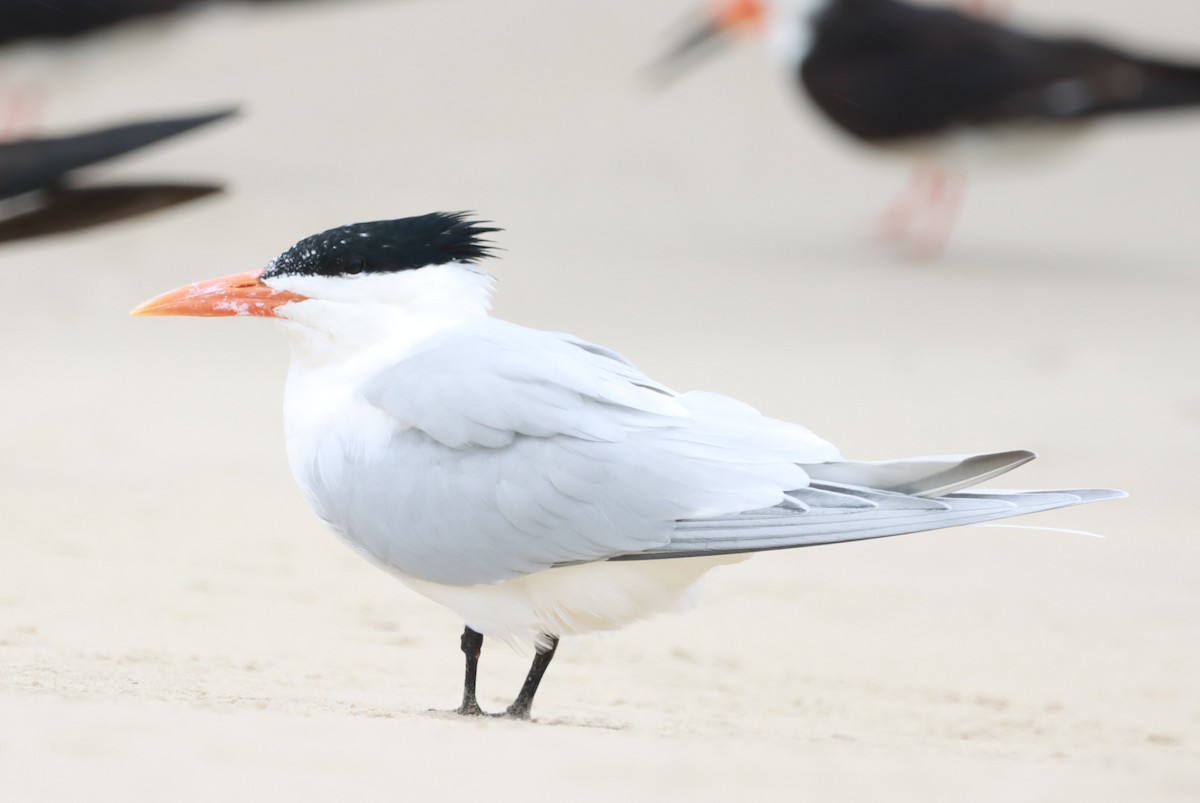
<point>353,265</point>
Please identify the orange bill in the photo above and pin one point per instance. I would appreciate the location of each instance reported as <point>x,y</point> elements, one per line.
<point>240,294</point>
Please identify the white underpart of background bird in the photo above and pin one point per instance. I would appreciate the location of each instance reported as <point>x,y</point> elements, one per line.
<point>536,484</point>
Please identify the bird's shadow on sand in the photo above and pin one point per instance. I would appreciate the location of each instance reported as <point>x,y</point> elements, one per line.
<point>1013,259</point>
<point>1017,259</point>
<point>536,721</point>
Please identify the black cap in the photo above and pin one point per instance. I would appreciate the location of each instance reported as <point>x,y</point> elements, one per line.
<point>386,246</point>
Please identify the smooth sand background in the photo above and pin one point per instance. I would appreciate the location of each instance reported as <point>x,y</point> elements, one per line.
<point>175,625</point>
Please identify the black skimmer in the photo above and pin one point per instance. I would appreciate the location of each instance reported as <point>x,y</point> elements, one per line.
<point>39,194</point>
<point>35,19</point>
<point>60,19</point>
<point>55,24</point>
<point>538,485</point>
<point>893,74</point>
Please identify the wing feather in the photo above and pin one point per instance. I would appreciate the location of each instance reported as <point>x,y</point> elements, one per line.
<point>922,476</point>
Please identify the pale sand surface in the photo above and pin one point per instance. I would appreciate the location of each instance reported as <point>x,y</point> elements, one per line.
<point>174,625</point>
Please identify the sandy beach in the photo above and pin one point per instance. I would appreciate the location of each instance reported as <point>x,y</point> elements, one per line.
<point>175,625</point>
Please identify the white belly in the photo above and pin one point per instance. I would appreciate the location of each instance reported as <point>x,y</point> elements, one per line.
<point>574,599</point>
<point>1002,148</point>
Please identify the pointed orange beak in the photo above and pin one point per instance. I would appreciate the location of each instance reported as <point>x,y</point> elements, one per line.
<point>240,294</point>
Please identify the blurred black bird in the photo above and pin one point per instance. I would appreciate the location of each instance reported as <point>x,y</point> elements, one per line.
<point>56,19</point>
<point>944,83</point>
<point>38,192</point>
<point>38,19</point>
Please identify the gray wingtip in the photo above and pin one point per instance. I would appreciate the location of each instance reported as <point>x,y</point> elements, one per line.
<point>971,471</point>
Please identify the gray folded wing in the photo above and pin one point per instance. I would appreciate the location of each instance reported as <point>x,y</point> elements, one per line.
<point>516,451</point>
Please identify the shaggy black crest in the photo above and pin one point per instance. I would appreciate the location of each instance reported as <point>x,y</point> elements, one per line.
<point>386,246</point>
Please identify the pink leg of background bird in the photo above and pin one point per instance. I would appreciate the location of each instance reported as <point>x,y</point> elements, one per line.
<point>934,194</point>
<point>943,203</point>
<point>896,222</point>
<point>20,111</point>
<point>922,217</point>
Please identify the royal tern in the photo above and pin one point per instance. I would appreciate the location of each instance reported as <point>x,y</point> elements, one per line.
<point>534,483</point>
<point>946,85</point>
<point>39,194</point>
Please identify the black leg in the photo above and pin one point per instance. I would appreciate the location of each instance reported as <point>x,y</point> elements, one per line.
<point>524,703</point>
<point>472,644</point>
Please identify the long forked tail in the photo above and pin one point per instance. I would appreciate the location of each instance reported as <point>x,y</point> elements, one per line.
<point>849,501</point>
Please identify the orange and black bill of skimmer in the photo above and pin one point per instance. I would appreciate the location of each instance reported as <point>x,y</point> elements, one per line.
<point>40,193</point>
<point>948,85</point>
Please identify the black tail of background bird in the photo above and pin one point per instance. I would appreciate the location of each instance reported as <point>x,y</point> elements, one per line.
<point>1149,85</point>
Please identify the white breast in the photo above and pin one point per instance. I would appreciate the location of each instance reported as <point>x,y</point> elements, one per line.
<point>327,425</point>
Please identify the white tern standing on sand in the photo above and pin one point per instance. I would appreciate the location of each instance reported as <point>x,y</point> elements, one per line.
<point>532,482</point>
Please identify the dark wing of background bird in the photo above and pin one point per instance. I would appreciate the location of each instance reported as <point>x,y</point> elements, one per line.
<point>34,164</point>
<point>37,199</point>
<point>39,19</point>
<point>894,71</point>
<point>60,19</point>
<point>64,209</point>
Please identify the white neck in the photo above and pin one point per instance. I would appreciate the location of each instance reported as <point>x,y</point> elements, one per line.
<point>347,331</point>
<point>378,316</point>
<point>789,28</point>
